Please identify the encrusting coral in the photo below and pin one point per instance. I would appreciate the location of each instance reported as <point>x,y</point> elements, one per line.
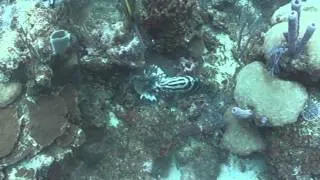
<point>169,22</point>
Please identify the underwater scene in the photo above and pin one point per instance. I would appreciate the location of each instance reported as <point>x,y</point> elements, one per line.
<point>159,90</point>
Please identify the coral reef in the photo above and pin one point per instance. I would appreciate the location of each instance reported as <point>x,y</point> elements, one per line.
<point>166,89</point>
<point>170,22</point>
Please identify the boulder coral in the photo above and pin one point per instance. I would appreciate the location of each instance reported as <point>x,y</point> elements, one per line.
<point>278,100</point>
<point>48,119</point>
<point>9,92</point>
<point>241,138</point>
<point>9,130</point>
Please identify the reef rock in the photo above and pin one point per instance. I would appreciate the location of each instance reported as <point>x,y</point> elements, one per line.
<point>278,100</point>
<point>293,151</point>
<point>199,160</point>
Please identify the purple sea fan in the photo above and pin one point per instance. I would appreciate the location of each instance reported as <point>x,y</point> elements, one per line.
<point>276,54</point>
<point>312,111</point>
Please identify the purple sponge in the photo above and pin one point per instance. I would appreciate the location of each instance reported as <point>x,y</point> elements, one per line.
<point>292,32</point>
<point>306,36</point>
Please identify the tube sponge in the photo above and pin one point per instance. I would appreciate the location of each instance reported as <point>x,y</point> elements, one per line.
<point>296,6</point>
<point>306,36</point>
<point>292,32</point>
<point>60,41</point>
<point>241,113</point>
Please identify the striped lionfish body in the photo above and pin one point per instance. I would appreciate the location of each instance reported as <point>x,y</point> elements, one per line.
<point>180,84</point>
